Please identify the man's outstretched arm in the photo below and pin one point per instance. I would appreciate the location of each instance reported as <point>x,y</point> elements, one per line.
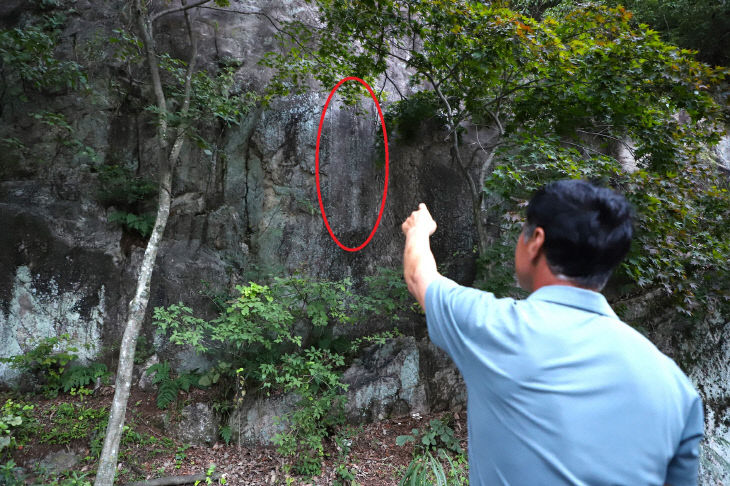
<point>419,265</point>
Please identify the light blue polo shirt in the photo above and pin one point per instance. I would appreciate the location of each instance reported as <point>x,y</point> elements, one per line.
<point>561,392</point>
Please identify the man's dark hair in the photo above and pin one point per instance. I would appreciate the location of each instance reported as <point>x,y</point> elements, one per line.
<point>588,230</point>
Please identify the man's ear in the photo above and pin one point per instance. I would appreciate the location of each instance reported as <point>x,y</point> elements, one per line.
<point>534,244</point>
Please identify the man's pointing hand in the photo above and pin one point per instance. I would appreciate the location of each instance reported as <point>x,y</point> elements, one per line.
<point>419,221</point>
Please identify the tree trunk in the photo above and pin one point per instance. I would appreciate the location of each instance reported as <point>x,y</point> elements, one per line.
<point>137,308</point>
<point>167,158</point>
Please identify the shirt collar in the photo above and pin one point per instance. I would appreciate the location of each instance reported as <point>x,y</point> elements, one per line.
<point>584,299</point>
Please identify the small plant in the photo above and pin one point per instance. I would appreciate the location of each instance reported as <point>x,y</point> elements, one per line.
<point>141,223</point>
<point>7,474</point>
<point>143,351</point>
<point>74,479</point>
<point>438,435</point>
<point>428,470</point>
<point>180,455</point>
<point>16,425</point>
<point>122,188</point>
<point>77,377</point>
<point>71,422</point>
<point>431,452</point>
<point>312,376</point>
<point>226,433</point>
<point>47,360</point>
<point>211,477</point>
<point>168,386</point>
<point>131,196</point>
<point>343,443</point>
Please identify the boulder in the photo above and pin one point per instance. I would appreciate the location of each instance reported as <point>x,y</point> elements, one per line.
<point>146,382</point>
<point>198,425</point>
<point>389,380</point>
<point>55,463</point>
<point>255,420</point>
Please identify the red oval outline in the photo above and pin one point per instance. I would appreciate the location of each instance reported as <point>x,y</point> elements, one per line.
<point>316,163</point>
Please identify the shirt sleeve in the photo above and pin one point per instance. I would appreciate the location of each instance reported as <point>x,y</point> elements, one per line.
<point>683,468</point>
<point>453,313</point>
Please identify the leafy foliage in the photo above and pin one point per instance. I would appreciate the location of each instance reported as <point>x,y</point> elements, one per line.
<point>561,96</point>
<point>50,361</point>
<point>280,338</point>
<point>141,223</point>
<point>78,376</point>
<point>47,360</point>
<point>430,455</point>
<point>681,240</point>
<point>428,469</point>
<point>312,375</point>
<point>16,425</point>
<point>406,116</point>
<point>29,62</point>
<point>73,421</point>
<point>213,97</point>
<point>132,195</point>
<point>8,476</point>
<point>168,386</point>
<point>703,25</point>
<point>122,188</point>
<point>438,435</point>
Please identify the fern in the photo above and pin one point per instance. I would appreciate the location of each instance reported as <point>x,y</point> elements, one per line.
<point>226,434</point>
<point>185,380</point>
<point>141,223</point>
<point>167,393</point>
<point>79,376</point>
<point>169,387</point>
<point>161,371</point>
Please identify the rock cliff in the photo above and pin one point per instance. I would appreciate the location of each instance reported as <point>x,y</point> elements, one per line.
<point>247,206</point>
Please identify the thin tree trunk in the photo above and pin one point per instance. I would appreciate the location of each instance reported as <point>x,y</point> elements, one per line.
<point>138,306</point>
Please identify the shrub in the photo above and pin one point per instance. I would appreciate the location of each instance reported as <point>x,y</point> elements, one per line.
<point>431,453</point>
<point>16,424</point>
<point>168,386</point>
<point>279,338</point>
<point>47,360</point>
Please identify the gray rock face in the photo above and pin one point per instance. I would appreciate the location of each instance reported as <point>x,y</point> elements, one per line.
<point>58,262</point>
<point>57,462</point>
<point>146,382</point>
<point>252,203</point>
<point>386,382</point>
<point>255,420</point>
<point>198,425</point>
<point>722,152</point>
<point>402,377</point>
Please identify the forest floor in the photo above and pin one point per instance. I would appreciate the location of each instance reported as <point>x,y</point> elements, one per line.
<point>373,458</point>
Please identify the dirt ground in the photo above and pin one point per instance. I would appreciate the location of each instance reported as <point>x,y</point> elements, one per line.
<point>373,458</point>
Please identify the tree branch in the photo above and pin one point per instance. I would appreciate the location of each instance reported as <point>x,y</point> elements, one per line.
<point>175,480</point>
<point>180,132</point>
<point>177,9</point>
<point>610,137</point>
<point>454,138</point>
<point>496,120</point>
<point>146,28</point>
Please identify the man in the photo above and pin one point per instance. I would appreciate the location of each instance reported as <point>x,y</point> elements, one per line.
<point>560,391</point>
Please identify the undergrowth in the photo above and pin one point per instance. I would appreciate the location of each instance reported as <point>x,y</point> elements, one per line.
<point>286,337</point>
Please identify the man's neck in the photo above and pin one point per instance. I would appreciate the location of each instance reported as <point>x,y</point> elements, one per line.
<point>543,276</point>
